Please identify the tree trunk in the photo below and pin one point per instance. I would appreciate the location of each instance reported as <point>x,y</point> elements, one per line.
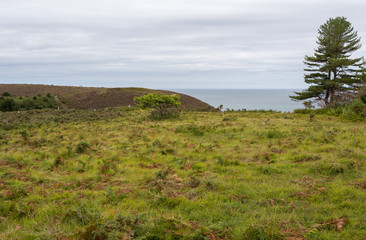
<point>331,95</point>
<point>326,98</point>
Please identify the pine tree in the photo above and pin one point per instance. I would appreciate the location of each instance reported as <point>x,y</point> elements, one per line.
<point>332,72</point>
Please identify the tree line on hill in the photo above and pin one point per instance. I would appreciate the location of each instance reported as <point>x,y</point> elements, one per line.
<point>12,103</point>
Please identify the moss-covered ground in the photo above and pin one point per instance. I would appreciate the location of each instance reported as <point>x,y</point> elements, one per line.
<point>114,174</point>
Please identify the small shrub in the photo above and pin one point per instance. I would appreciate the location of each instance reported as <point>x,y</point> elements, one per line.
<point>211,184</point>
<point>261,233</point>
<point>330,169</point>
<point>166,202</point>
<point>193,182</point>
<point>24,134</point>
<point>363,98</point>
<point>107,166</point>
<point>154,100</point>
<point>164,111</point>
<point>221,161</point>
<point>306,158</point>
<point>352,110</point>
<point>303,111</point>
<point>192,129</point>
<point>17,192</point>
<point>82,214</point>
<point>269,170</point>
<point>58,161</point>
<point>229,118</point>
<point>274,134</point>
<point>16,210</point>
<point>358,107</point>
<point>195,130</point>
<point>82,147</point>
<point>165,106</point>
<point>121,227</point>
<point>167,151</point>
<point>162,174</point>
<point>8,104</point>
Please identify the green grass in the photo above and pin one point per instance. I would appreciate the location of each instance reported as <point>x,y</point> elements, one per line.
<point>115,174</point>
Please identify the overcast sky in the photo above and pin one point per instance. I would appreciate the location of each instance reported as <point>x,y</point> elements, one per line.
<point>165,44</point>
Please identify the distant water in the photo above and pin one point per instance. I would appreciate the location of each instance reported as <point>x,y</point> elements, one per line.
<point>250,99</point>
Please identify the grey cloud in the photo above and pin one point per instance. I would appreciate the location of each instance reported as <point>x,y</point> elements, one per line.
<point>164,44</point>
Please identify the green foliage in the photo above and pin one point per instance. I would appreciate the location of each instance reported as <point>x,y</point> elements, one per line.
<point>331,72</point>
<point>355,111</point>
<point>308,104</point>
<point>122,227</point>
<point>261,233</point>
<point>306,158</point>
<point>154,100</point>
<point>165,106</point>
<point>24,134</point>
<point>363,98</point>
<point>6,94</point>
<point>82,147</point>
<point>274,134</point>
<point>164,111</point>
<point>82,213</point>
<point>192,129</point>
<point>9,103</point>
<point>358,107</point>
<point>269,170</point>
<point>330,169</point>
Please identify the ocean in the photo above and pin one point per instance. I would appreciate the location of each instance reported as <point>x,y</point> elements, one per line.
<point>249,99</point>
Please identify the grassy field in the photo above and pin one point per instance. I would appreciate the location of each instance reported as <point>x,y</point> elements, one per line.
<point>114,174</point>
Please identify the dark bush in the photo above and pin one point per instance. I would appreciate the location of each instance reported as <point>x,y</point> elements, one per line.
<point>82,147</point>
<point>363,99</point>
<point>8,104</point>
<point>358,107</point>
<point>164,111</point>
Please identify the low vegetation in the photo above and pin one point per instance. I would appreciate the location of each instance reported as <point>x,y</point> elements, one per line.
<point>353,109</point>
<point>116,174</point>
<point>165,106</point>
<point>10,103</point>
<point>96,98</point>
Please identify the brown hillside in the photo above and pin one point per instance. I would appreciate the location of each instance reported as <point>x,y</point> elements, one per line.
<point>92,98</point>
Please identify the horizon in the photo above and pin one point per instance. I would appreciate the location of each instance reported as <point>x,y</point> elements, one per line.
<point>167,89</point>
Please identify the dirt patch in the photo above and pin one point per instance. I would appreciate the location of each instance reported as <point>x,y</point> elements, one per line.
<point>360,185</point>
<point>166,183</point>
<point>151,166</point>
<point>301,232</point>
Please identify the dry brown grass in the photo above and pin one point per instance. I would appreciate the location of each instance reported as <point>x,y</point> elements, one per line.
<point>94,98</point>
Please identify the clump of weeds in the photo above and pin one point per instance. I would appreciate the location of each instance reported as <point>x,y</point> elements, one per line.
<point>306,158</point>
<point>82,147</point>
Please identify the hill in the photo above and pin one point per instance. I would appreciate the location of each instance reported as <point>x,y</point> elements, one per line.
<point>95,98</point>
